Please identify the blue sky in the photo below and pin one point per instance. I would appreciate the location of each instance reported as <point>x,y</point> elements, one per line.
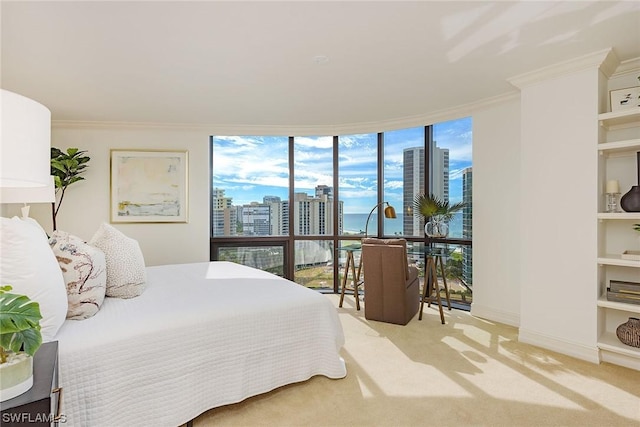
<point>251,167</point>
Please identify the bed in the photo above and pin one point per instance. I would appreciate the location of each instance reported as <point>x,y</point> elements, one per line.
<point>200,336</point>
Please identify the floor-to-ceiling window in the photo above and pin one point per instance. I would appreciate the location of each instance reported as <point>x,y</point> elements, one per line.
<point>292,205</point>
<point>313,207</point>
<point>358,191</point>
<point>250,200</point>
<point>451,179</point>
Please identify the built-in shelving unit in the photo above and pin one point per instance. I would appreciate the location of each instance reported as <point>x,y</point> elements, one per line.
<point>617,119</point>
<point>615,231</point>
<point>619,215</point>
<point>612,259</point>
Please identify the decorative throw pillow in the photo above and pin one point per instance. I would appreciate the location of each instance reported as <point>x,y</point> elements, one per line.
<point>126,273</point>
<point>27,264</point>
<point>85,274</point>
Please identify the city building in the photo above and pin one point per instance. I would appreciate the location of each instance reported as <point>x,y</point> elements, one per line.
<point>467,224</point>
<point>223,214</point>
<point>413,182</point>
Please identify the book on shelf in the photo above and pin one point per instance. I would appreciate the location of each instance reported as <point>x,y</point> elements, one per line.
<point>624,287</point>
<point>631,255</point>
<point>628,298</point>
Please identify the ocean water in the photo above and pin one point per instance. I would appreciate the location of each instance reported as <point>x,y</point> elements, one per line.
<point>355,223</point>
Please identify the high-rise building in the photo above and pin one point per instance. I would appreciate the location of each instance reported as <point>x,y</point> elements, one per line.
<point>440,172</point>
<point>314,215</point>
<point>324,190</point>
<point>279,216</point>
<point>256,219</point>
<point>223,214</point>
<point>413,183</point>
<point>467,224</point>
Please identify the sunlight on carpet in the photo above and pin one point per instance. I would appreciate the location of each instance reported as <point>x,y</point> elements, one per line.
<point>469,371</point>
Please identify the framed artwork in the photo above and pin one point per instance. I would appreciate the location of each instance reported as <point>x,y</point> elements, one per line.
<point>623,99</point>
<point>149,186</point>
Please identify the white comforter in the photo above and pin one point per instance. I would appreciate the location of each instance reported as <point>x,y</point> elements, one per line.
<point>200,336</point>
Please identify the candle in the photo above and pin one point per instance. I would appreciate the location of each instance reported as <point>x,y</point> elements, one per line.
<point>612,187</point>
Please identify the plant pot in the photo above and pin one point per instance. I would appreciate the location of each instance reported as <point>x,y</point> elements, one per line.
<point>629,332</point>
<point>437,227</point>
<point>16,375</point>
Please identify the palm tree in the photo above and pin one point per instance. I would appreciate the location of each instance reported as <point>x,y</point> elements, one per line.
<point>432,206</point>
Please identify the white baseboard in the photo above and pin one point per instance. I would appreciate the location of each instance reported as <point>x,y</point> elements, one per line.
<point>489,313</point>
<point>620,359</point>
<point>577,350</point>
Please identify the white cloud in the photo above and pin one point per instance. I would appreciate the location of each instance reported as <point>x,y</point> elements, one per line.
<point>322,142</point>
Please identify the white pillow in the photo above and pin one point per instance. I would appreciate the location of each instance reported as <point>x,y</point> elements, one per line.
<point>27,264</point>
<point>85,273</point>
<point>126,273</point>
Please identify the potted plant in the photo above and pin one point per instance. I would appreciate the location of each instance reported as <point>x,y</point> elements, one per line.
<point>20,338</point>
<point>437,212</point>
<point>66,169</point>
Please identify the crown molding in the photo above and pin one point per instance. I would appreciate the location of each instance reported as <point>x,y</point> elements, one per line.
<point>300,130</point>
<point>605,59</point>
<point>629,66</point>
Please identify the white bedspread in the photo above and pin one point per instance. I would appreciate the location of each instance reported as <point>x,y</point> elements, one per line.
<point>200,336</point>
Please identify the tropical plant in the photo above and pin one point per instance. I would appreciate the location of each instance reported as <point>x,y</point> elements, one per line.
<point>19,324</point>
<point>432,206</point>
<point>66,169</point>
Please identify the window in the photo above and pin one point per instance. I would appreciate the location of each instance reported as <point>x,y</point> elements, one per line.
<point>358,181</point>
<point>291,205</point>
<point>404,170</point>
<point>313,199</point>
<point>452,170</point>
<point>250,186</point>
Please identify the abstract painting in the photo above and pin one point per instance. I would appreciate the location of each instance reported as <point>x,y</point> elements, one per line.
<point>149,186</point>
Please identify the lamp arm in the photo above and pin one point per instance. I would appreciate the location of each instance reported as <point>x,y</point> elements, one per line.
<point>366,227</point>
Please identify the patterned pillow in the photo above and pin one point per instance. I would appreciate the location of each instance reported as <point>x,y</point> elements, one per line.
<point>27,264</point>
<point>126,273</point>
<point>85,274</point>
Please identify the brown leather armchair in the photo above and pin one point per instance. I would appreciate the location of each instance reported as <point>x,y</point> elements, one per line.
<point>391,285</point>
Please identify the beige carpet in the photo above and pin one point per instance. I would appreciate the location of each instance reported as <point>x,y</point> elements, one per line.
<point>468,372</point>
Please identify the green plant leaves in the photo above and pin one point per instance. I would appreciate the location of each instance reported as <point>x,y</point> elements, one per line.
<point>430,206</point>
<point>19,322</point>
<point>67,167</point>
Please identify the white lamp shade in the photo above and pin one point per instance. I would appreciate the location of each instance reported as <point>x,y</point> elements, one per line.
<point>43,194</point>
<point>25,144</point>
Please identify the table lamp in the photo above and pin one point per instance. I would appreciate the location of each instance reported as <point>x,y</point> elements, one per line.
<point>25,151</point>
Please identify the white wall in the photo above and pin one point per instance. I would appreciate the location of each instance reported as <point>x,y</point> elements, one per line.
<point>496,212</point>
<point>86,204</point>
<point>558,238</point>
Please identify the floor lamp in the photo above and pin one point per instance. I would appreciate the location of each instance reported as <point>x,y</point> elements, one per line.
<point>389,212</point>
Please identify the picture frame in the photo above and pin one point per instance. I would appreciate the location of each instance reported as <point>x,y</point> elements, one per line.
<point>623,99</point>
<point>149,186</point>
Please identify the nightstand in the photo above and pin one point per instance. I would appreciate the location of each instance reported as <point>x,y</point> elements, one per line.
<point>40,405</point>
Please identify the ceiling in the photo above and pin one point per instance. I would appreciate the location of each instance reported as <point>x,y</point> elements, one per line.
<point>298,63</point>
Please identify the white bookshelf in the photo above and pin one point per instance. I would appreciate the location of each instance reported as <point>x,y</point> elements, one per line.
<point>613,234</point>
